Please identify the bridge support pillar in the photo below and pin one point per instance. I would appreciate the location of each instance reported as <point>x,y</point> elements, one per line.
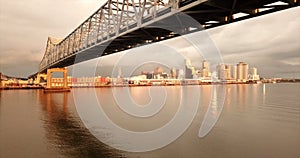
<point>39,76</point>
<point>0,79</point>
<point>49,87</point>
<point>49,78</point>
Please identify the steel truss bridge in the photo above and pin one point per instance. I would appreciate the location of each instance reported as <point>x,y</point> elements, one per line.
<point>124,24</point>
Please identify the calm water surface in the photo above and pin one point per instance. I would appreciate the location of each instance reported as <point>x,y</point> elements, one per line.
<point>260,120</point>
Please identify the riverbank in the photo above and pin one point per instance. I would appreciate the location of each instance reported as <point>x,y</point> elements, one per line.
<point>20,87</point>
<point>142,85</point>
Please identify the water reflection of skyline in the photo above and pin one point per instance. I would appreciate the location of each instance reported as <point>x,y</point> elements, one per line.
<point>215,107</point>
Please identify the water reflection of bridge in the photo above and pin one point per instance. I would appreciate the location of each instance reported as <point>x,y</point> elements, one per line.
<point>65,132</point>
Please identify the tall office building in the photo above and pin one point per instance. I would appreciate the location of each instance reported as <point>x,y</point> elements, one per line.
<point>173,73</point>
<point>188,63</point>
<point>242,72</point>
<point>205,72</point>
<point>253,71</point>
<point>189,70</point>
<point>223,72</point>
<point>253,74</point>
<point>180,74</point>
<point>234,72</point>
<point>245,71</point>
<point>205,65</point>
<point>228,72</point>
<point>158,70</point>
<point>120,74</point>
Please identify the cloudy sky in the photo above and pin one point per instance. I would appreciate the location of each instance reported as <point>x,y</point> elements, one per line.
<point>270,42</point>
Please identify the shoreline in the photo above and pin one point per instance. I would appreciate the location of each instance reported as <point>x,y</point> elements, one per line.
<point>136,85</point>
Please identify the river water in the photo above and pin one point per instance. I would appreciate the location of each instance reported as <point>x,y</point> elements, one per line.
<point>257,120</point>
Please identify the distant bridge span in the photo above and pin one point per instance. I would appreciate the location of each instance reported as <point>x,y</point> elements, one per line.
<point>123,24</point>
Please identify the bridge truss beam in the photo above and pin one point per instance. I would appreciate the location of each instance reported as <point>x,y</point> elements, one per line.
<point>120,24</point>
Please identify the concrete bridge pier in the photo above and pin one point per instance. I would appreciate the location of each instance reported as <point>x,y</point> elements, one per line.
<point>39,76</point>
<point>50,88</point>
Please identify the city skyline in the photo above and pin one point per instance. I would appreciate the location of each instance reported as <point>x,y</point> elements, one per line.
<point>240,72</point>
<point>267,42</point>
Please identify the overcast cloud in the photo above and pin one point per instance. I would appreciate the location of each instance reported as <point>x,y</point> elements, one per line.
<point>26,25</point>
<point>269,42</point>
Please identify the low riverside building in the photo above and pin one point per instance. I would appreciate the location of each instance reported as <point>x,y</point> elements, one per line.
<point>82,81</point>
<point>12,82</point>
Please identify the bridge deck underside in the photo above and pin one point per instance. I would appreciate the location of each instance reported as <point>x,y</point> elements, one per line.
<point>222,12</point>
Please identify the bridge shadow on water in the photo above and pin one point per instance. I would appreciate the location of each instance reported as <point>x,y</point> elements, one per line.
<point>66,133</point>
